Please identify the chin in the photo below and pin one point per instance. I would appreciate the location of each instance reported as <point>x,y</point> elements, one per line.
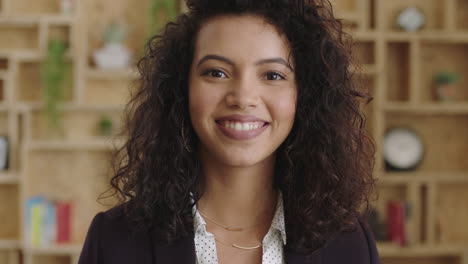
<point>242,160</point>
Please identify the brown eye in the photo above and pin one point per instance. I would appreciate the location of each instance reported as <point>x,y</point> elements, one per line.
<point>273,76</point>
<point>214,73</point>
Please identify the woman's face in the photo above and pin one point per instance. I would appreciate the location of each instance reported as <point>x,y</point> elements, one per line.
<point>242,90</point>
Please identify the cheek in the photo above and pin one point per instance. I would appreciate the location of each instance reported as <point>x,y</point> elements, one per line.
<point>284,107</point>
<point>201,101</point>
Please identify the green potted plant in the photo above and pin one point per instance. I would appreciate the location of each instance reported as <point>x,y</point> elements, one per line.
<point>105,126</point>
<point>445,89</point>
<point>53,72</point>
<point>159,7</point>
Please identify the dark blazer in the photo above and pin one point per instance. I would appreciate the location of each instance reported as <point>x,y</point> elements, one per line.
<point>110,241</point>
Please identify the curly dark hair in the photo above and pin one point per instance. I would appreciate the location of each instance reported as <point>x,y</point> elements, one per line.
<point>323,168</point>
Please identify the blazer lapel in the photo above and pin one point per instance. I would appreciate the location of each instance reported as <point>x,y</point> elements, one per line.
<point>181,251</point>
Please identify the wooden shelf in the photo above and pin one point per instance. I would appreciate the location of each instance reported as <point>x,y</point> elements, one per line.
<point>25,107</point>
<point>3,74</point>
<point>54,249</point>
<point>388,250</point>
<point>395,67</point>
<point>8,178</point>
<point>405,177</point>
<point>63,145</point>
<point>112,74</point>
<point>428,108</point>
<point>366,69</point>
<point>33,20</point>
<point>351,17</point>
<point>9,244</point>
<point>3,107</point>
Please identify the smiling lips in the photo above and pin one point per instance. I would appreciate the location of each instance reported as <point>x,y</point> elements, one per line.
<point>241,127</point>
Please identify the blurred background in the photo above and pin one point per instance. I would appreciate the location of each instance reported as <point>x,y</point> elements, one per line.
<point>66,67</point>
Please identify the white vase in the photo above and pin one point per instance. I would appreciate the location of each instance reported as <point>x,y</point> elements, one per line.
<point>112,56</point>
<point>66,6</point>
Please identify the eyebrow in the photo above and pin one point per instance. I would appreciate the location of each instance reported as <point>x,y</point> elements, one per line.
<point>230,62</point>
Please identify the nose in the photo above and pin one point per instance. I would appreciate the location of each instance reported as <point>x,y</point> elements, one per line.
<point>242,94</point>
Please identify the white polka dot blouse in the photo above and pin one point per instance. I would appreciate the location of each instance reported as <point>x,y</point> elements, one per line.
<point>273,242</point>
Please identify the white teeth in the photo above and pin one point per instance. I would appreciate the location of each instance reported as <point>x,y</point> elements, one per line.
<point>246,126</point>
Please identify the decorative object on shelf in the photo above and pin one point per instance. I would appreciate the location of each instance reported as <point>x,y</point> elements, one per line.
<point>166,8</point>
<point>67,6</point>
<point>403,149</point>
<point>445,90</point>
<point>377,225</point>
<point>105,126</point>
<point>411,19</point>
<point>47,222</point>
<point>4,150</point>
<point>396,222</point>
<point>114,54</point>
<point>54,73</point>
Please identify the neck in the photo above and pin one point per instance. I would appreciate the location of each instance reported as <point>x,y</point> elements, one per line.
<point>238,196</point>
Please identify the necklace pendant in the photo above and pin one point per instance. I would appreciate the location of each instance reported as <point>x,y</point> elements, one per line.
<point>246,248</point>
<point>234,229</point>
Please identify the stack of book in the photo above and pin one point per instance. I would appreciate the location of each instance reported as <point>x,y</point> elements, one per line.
<point>48,222</point>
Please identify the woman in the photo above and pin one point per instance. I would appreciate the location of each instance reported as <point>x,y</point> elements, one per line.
<point>246,144</point>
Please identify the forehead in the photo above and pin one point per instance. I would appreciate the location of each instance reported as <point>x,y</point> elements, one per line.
<point>240,37</point>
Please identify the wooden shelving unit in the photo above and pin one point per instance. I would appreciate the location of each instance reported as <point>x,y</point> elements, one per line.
<point>396,66</point>
<point>77,161</point>
<point>401,66</point>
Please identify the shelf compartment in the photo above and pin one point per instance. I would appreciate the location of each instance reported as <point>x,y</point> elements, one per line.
<point>3,123</point>
<point>78,125</point>
<point>445,138</point>
<point>19,38</point>
<point>9,204</point>
<point>73,172</point>
<point>45,259</point>
<point>389,192</point>
<point>451,213</point>
<point>433,10</point>
<point>462,15</point>
<point>345,6</point>
<point>37,7</point>
<point>60,32</point>
<point>108,90</point>
<point>99,17</point>
<point>363,52</point>
<point>9,256</point>
<point>3,64</point>
<point>29,84</point>
<point>398,72</point>
<point>437,57</point>
<point>410,193</point>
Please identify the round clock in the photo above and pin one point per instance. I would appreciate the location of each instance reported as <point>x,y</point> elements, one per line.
<point>403,149</point>
<point>411,19</point>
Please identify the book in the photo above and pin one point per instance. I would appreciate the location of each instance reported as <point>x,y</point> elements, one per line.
<point>396,219</point>
<point>47,222</point>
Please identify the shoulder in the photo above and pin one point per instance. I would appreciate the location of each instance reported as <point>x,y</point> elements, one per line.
<point>110,232</point>
<point>357,245</point>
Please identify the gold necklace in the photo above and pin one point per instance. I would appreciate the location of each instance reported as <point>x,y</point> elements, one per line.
<point>237,246</point>
<point>227,227</point>
<point>232,229</point>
